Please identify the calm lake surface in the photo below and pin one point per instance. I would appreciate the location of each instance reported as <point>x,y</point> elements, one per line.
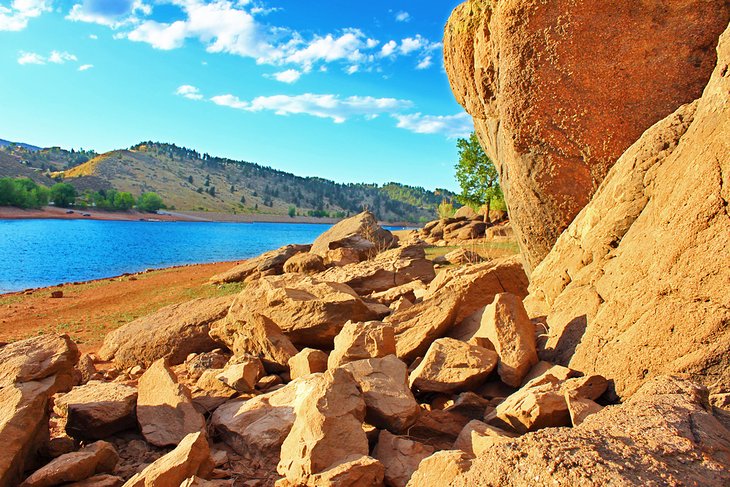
<point>38,253</point>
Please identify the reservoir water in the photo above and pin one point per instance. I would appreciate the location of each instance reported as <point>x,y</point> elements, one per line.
<point>38,253</point>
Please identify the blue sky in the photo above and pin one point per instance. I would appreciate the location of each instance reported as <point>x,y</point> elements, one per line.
<point>350,91</point>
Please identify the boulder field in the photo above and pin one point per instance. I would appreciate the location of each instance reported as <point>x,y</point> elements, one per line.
<point>357,362</point>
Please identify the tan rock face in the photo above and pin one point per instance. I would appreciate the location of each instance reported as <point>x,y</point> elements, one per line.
<point>440,469</point>
<point>267,264</point>
<point>327,429</point>
<point>386,270</point>
<point>308,361</point>
<point>508,328</point>
<point>359,341</point>
<point>172,332</point>
<point>451,297</point>
<point>342,256</point>
<point>165,411</point>
<point>309,311</point>
<point>451,365</point>
<point>637,285</point>
<point>540,80</point>
<point>360,232</point>
<point>384,385</point>
<point>30,372</point>
<point>191,457</point>
<point>666,411</point>
<point>305,263</point>
<point>243,374</point>
<point>478,436</point>
<point>355,471</point>
<point>99,457</point>
<point>97,410</point>
<point>250,333</point>
<point>400,456</point>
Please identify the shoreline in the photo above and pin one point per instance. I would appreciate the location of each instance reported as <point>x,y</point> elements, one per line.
<point>53,213</point>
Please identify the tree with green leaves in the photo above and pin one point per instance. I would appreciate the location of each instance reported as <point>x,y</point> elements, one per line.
<point>292,211</point>
<point>63,195</point>
<point>150,202</point>
<point>477,176</point>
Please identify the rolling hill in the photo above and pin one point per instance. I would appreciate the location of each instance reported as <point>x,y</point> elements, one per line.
<point>190,181</point>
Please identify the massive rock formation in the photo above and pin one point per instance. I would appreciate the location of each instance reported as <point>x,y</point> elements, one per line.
<point>559,89</point>
<point>638,284</point>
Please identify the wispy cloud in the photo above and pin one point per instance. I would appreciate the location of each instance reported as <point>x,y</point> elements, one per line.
<point>85,67</point>
<point>114,13</point>
<point>452,126</point>
<point>334,107</point>
<point>289,76</point>
<point>403,17</point>
<point>190,92</point>
<point>55,57</point>
<point>16,16</point>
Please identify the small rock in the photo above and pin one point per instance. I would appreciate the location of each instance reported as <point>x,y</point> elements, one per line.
<point>478,436</point>
<point>57,294</point>
<point>99,457</point>
<point>580,408</point>
<point>86,368</point>
<point>440,469</point>
<point>308,361</point>
<point>400,456</point>
<point>359,341</point>
<point>104,480</point>
<point>243,374</point>
<point>269,381</point>
<point>305,263</point>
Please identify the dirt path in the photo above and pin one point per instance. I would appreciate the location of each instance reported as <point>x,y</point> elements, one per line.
<point>88,311</point>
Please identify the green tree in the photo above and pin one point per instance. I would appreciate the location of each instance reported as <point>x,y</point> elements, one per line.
<point>477,176</point>
<point>150,202</point>
<point>292,211</point>
<point>123,201</point>
<point>63,195</point>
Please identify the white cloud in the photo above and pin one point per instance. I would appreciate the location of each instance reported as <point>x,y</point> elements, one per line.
<point>425,63</point>
<point>31,58</point>
<point>388,48</point>
<point>61,57</point>
<point>322,106</point>
<point>15,17</point>
<point>353,69</point>
<point>85,67</point>
<point>111,13</point>
<point>289,76</point>
<point>93,37</point>
<point>190,92</point>
<point>403,17</point>
<point>452,126</point>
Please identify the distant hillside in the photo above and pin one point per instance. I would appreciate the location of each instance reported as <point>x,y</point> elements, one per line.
<point>190,181</point>
<point>50,159</point>
<point>5,143</point>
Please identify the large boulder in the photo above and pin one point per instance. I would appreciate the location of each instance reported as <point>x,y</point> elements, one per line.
<point>357,341</point>
<point>384,384</point>
<point>165,410</point>
<point>452,296</point>
<point>665,434</point>
<point>327,430</point>
<point>97,410</point>
<point>251,333</point>
<point>452,365</point>
<point>267,264</point>
<point>637,286</point>
<point>305,263</point>
<point>559,90</point>
<point>173,332</point>
<point>96,458</point>
<point>190,457</point>
<point>30,372</point>
<point>308,361</point>
<point>386,270</point>
<point>360,232</point>
<point>309,311</point>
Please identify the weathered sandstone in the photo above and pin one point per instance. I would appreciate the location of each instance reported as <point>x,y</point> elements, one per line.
<point>267,264</point>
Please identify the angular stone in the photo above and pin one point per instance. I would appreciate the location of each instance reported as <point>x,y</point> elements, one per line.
<point>478,436</point>
<point>97,410</point>
<point>408,291</point>
<point>451,365</point>
<point>268,263</point>
<point>400,456</point>
<point>243,374</point>
<point>440,469</point>
<point>353,471</point>
<point>252,333</point>
<point>308,361</point>
<point>580,408</point>
<point>360,232</point>
<point>388,269</point>
<point>165,411</point>
<point>209,392</point>
<point>357,341</point>
<point>304,263</point>
<point>384,385</point>
<point>173,333</point>
<point>104,480</point>
<point>327,430</point>
<point>96,458</point>
<point>86,368</point>
<point>342,256</point>
<point>189,458</point>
